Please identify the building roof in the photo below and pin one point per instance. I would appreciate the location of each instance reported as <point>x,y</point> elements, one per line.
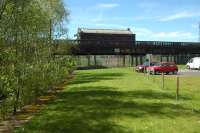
<point>105,31</point>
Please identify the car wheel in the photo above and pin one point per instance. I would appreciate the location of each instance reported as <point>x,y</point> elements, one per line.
<point>188,67</point>
<point>150,73</point>
<point>154,72</point>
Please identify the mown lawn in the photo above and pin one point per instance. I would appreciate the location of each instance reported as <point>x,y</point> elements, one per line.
<point>182,66</point>
<point>121,101</point>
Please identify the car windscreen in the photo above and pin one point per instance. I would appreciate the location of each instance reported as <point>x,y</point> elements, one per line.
<point>190,61</point>
<point>151,64</point>
<point>157,64</point>
<point>146,63</point>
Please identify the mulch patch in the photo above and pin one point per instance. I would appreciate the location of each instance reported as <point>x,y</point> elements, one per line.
<point>27,112</point>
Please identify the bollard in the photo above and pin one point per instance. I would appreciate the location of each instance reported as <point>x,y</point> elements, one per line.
<point>163,81</point>
<point>177,88</point>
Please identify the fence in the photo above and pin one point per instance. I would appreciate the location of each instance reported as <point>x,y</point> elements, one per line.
<point>127,60</point>
<point>180,87</point>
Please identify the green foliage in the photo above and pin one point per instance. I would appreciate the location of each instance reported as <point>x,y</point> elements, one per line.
<point>28,66</point>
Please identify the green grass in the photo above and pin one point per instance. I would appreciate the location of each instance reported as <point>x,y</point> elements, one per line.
<point>121,101</point>
<point>182,67</point>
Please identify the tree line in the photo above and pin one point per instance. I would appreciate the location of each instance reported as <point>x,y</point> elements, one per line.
<point>28,67</point>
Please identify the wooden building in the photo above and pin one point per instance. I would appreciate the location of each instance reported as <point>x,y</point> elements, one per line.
<point>123,42</point>
<point>101,41</point>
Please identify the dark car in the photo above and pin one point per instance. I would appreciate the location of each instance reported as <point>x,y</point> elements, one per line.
<point>163,67</point>
<point>143,67</point>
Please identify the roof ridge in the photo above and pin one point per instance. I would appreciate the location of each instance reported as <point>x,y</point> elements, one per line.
<point>104,29</point>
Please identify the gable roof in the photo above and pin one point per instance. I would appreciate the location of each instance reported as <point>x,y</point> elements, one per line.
<point>105,31</point>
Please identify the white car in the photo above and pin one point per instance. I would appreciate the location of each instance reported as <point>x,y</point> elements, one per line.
<point>194,63</point>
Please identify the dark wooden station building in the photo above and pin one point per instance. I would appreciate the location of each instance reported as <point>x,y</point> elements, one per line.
<point>123,42</point>
<point>105,41</point>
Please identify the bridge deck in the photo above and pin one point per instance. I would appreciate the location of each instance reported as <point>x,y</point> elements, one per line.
<point>106,47</point>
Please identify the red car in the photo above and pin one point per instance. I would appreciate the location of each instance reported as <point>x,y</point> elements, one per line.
<point>143,67</point>
<point>163,67</point>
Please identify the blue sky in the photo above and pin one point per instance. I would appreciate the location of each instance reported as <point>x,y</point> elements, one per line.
<point>162,20</point>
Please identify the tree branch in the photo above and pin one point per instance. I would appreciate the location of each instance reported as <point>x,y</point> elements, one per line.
<point>3,4</point>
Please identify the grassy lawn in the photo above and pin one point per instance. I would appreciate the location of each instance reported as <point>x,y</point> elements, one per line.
<point>182,67</point>
<point>121,101</point>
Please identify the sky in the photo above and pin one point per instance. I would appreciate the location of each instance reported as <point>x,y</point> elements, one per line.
<point>150,20</point>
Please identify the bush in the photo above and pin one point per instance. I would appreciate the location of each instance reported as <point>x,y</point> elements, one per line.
<point>24,77</point>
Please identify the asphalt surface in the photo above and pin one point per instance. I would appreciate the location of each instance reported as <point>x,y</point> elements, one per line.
<point>186,72</point>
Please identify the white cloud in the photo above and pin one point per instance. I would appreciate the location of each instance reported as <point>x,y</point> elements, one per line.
<point>195,26</point>
<point>145,18</point>
<point>173,34</point>
<point>170,36</point>
<point>142,31</point>
<point>97,20</point>
<point>148,5</point>
<point>104,25</point>
<point>107,5</point>
<point>179,15</point>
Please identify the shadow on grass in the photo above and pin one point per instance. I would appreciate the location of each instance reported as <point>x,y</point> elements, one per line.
<point>92,77</point>
<point>91,67</point>
<point>92,111</point>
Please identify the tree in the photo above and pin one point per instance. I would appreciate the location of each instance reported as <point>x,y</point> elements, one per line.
<point>26,30</point>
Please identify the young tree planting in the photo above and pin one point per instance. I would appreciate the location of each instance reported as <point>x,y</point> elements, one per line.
<point>28,67</point>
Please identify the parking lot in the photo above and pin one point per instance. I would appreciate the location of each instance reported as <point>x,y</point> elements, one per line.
<point>186,72</point>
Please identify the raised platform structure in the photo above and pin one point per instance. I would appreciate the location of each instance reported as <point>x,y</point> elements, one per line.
<point>123,42</point>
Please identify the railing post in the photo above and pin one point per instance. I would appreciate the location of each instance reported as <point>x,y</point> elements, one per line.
<point>95,60</point>
<point>124,60</point>
<point>163,81</point>
<point>131,60</point>
<point>177,88</point>
<point>136,60</point>
<point>88,57</point>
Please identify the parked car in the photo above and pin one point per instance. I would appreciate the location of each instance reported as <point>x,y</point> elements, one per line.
<point>163,67</point>
<point>194,63</point>
<point>143,67</point>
